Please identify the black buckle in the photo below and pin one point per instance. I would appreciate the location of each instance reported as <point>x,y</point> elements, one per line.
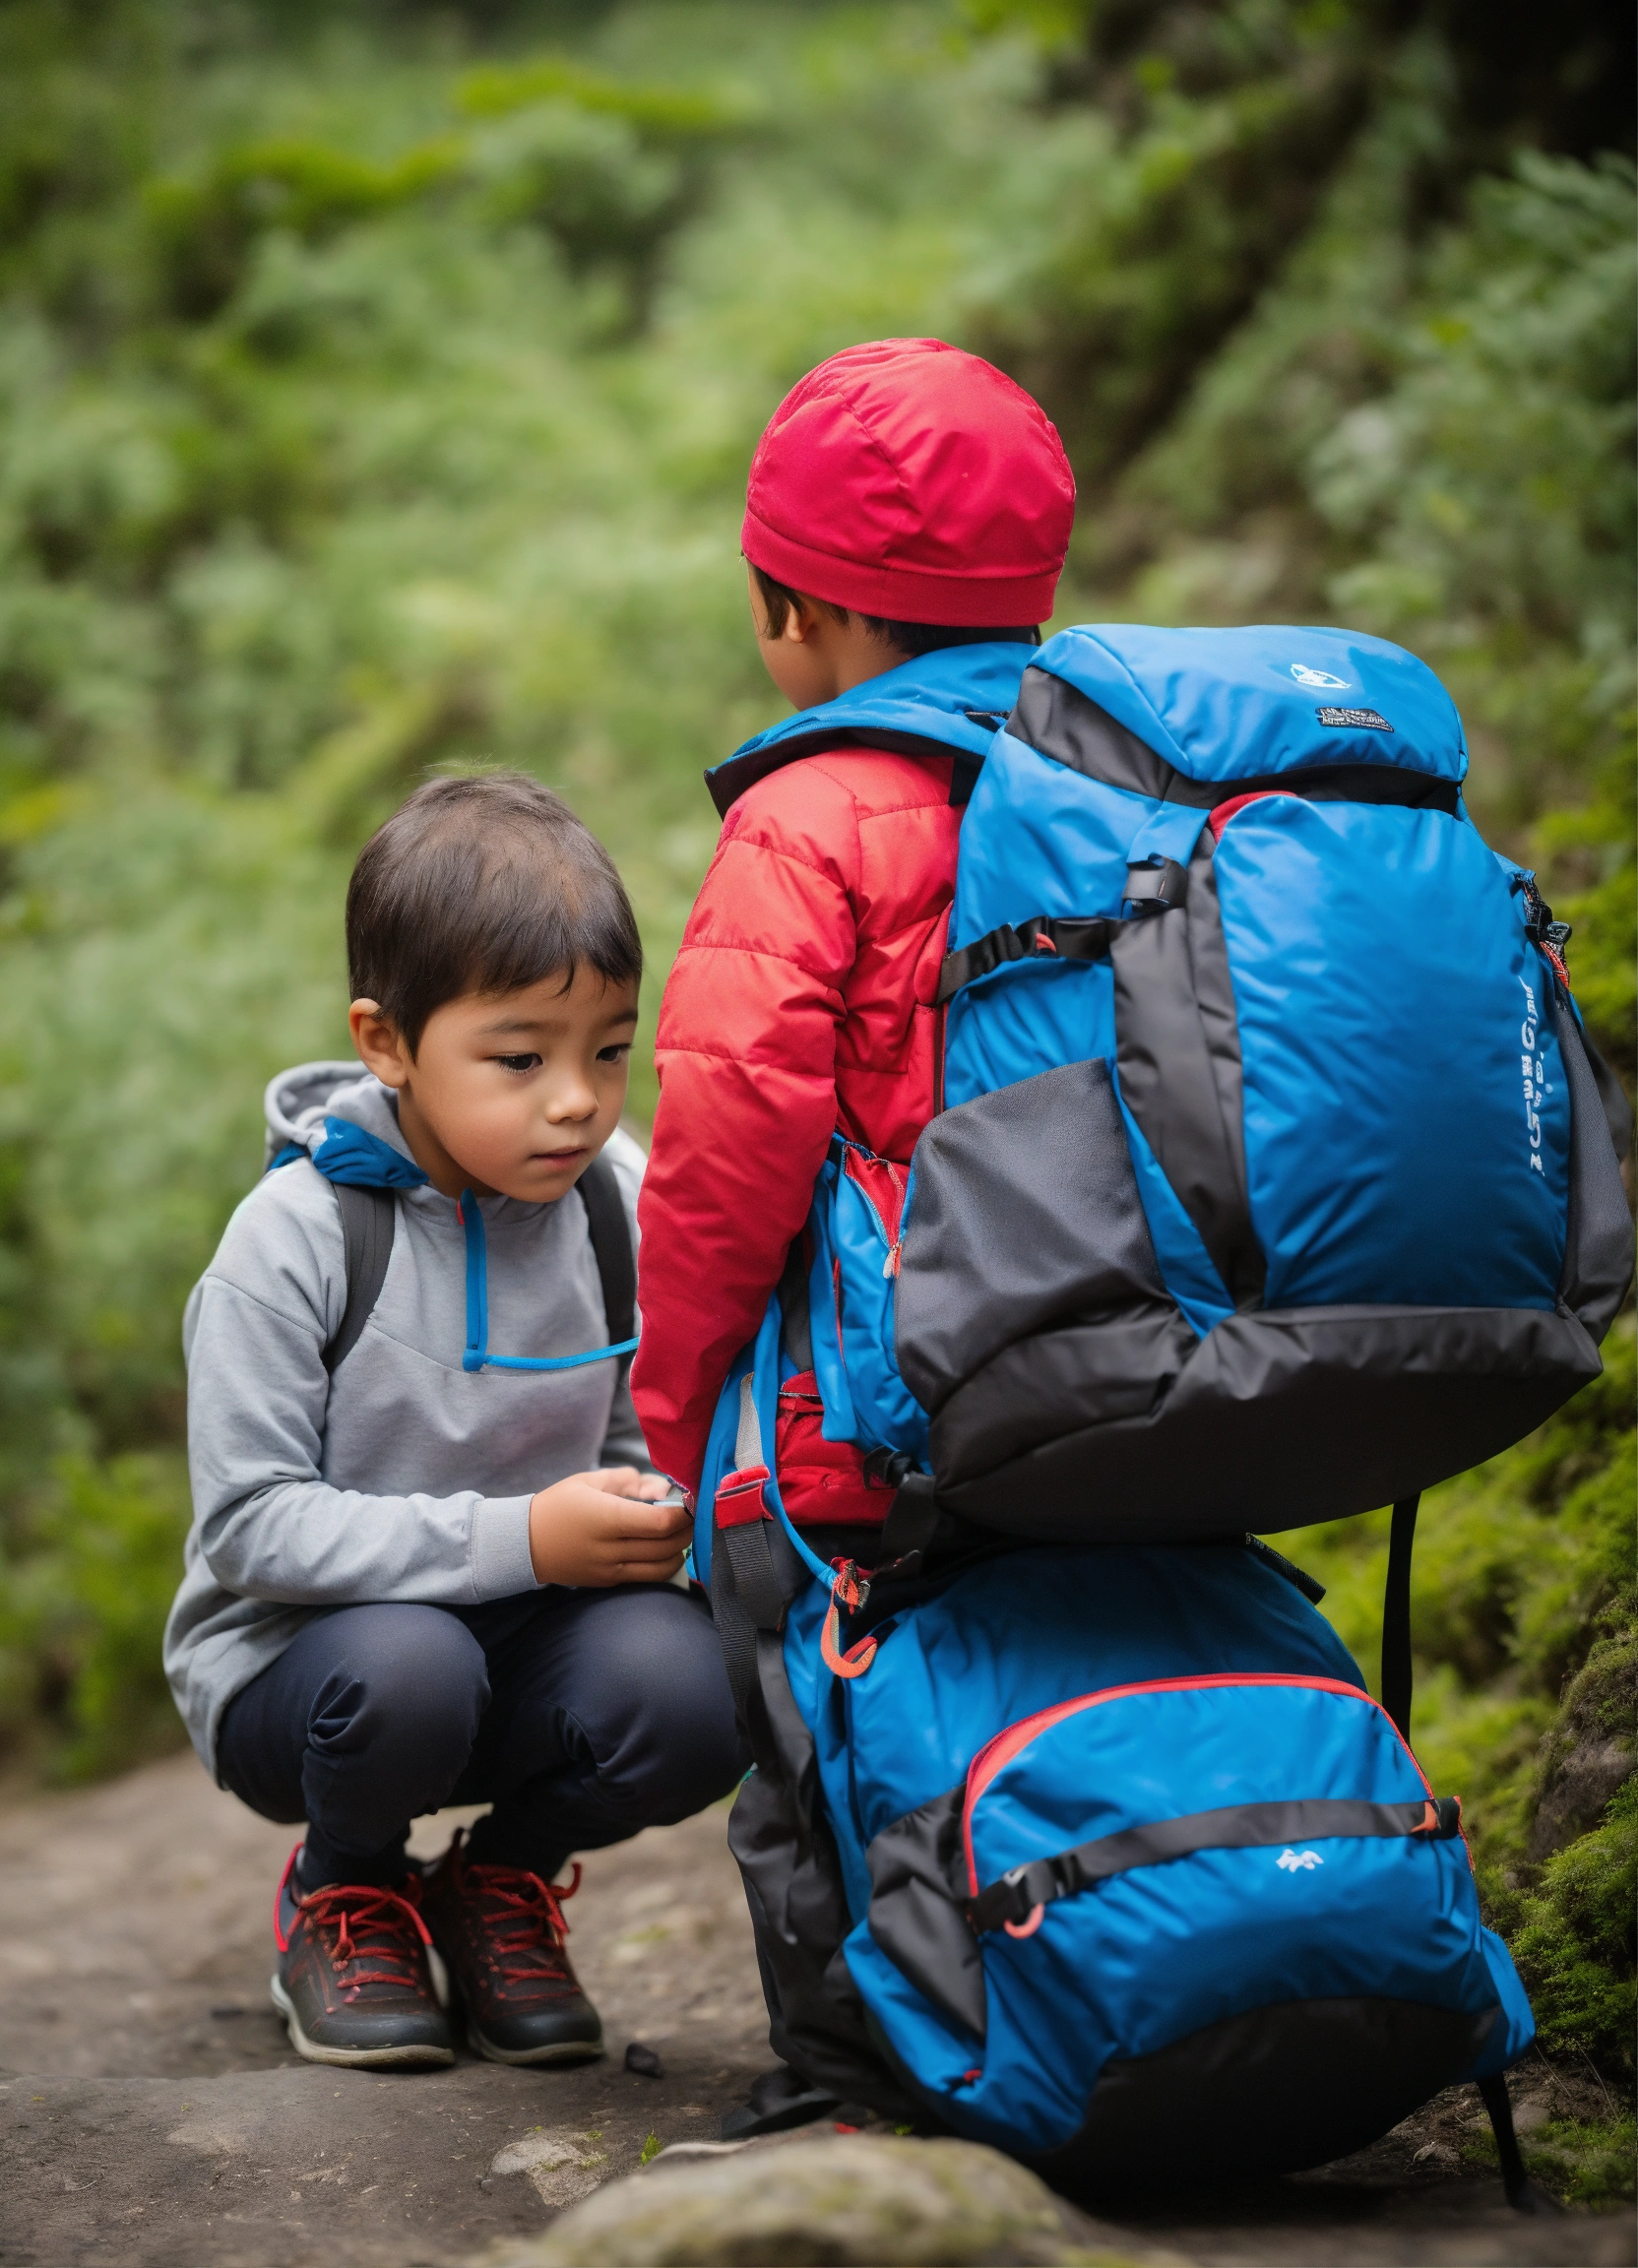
<point>1154,888</point>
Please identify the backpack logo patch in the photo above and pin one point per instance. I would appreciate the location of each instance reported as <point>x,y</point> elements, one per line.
<point>1368,719</point>
<point>1321,679</point>
<point>1298,1862</point>
<point>1535,1084</point>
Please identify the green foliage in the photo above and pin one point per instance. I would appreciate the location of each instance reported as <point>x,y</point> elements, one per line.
<point>1520,1566</point>
<point>375,395</point>
<point>84,1607</point>
<point>1588,2163</point>
<point>1575,1941</point>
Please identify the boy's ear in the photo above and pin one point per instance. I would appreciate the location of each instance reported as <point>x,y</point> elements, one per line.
<point>379,1042</point>
<point>801,618</point>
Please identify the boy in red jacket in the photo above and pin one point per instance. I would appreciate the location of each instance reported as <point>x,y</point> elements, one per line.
<point>907,515</point>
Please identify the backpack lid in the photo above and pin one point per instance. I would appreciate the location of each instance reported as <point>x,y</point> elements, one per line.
<point>1240,704</point>
<point>943,704</point>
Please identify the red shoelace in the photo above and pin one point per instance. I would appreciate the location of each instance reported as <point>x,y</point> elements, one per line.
<point>371,1925</point>
<point>522,1916</point>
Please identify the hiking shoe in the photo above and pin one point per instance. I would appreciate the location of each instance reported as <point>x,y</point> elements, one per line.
<point>501,1930</point>
<point>353,1981</point>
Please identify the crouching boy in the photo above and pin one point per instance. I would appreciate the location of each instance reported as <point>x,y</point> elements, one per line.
<point>428,1564</point>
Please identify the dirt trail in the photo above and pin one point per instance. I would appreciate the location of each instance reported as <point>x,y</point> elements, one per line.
<point>152,2113</point>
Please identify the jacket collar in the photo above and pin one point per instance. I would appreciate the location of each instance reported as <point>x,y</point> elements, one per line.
<point>943,704</point>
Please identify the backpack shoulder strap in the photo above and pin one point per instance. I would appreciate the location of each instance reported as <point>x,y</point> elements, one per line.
<point>605,1218</point>
<point>368,1220</point>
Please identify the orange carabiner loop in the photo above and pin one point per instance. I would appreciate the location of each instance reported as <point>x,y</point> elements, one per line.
<point>1037,1915</point>
<point>857,1659</point>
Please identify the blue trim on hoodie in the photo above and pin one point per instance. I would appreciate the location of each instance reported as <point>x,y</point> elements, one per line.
<point>351,1155</point>
<point>477,1355</point>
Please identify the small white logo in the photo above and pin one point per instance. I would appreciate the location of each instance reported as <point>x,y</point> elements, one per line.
<point>1299,1861</point>
<point>1318,678</point>
<point>1535,1084</point>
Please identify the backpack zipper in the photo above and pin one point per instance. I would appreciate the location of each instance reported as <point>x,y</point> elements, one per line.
<point>1013,1738</point>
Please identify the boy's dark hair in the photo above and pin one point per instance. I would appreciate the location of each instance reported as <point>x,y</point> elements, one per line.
<point>909,638</point>
<point>482,885</point>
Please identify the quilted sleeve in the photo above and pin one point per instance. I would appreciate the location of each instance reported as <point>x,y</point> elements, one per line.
<point>747,1051</point>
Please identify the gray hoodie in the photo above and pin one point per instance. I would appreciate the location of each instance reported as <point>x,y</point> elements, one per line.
<point>404,1476</point>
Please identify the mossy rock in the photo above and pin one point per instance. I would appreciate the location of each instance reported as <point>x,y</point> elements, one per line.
<point>866,2199</point>
<point>1590,1753</point>
<point>1575,1944</point>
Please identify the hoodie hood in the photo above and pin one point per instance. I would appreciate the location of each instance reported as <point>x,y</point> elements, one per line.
<point>345,1121</point>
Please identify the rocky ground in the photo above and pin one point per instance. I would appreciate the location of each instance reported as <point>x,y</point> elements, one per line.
<point>151,2115</point>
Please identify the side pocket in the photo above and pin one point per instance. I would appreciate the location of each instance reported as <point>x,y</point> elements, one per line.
<point>823,1483</point>
<point>792,1877</point>
<point>918,1886</point>
<point>1598,1241</point>
<point>1027,1220</point>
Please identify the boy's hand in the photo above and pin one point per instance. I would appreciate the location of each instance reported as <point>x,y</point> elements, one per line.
<point>608,1527</point>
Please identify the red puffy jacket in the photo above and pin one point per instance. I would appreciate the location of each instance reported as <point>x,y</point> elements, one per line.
<point>800,1003</point>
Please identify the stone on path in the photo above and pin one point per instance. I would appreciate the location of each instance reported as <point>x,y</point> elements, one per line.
<point>857,2198</point>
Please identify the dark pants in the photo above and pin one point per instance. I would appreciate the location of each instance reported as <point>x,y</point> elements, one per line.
<point>582,1716</point>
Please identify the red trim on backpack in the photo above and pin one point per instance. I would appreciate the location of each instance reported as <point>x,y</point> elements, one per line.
<point>1222,813</point>
<point>882,1184</point>
<point>739,1497</point>
<point>996,1755</point>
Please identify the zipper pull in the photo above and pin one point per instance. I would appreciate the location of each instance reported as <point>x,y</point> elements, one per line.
<point>1543,930</point>
<point>890,1266</point>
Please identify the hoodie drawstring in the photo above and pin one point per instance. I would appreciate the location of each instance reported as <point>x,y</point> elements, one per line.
<point>477,1355</point>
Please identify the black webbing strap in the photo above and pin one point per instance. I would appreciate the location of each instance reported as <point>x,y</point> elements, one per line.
<point>755,1571</point>
<point>749,1592</point>
<point>1396,1671</point>
<point>1071,938</point>
<point>1516,2187</point>
<point>610,1232</point>
<point>1287,1569</point>
<point>910,1524</point>
<point>368,1220</point>
<point>1237,1827</point>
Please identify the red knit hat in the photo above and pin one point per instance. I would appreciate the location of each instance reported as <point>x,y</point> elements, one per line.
<point>906,478</point>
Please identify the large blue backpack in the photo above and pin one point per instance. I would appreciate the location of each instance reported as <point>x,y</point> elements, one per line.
<point>1272,1179</point>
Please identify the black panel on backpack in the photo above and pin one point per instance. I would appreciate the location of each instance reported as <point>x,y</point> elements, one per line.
<point>1379,1401</point>
<point>787,1859</point>
<point>1028,1231</point>
<point>1179,1053</point>
<point>917,1892</point>
<point>1273,2091</point>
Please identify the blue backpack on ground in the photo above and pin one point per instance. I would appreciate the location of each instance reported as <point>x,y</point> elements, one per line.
<point>1104,1856</point>
<point>1273,1179</point>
